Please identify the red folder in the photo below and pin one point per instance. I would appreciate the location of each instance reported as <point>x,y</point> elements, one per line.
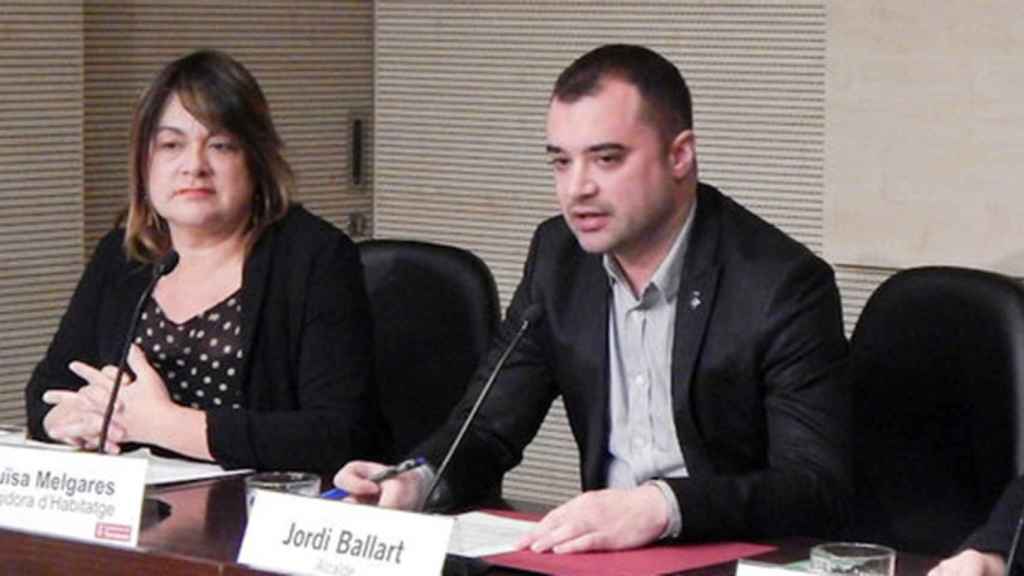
<point>660,559</point>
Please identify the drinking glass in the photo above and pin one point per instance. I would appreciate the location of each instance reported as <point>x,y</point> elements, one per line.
<point>852,559</point>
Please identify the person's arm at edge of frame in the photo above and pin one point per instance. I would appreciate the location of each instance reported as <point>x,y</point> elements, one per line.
<point>985,550</point>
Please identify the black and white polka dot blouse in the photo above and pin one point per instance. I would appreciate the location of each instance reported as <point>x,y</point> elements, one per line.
<point>201,359</point>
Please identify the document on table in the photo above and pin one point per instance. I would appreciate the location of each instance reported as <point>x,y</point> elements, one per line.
<point>481,534</point>
<point>161,470</point>
<point>493,537</point>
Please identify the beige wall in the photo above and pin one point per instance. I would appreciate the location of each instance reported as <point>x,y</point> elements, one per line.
<point>40,181</point>
<point>926,96</point>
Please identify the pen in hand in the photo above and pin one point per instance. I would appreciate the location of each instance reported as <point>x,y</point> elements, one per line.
<point>385,474</point>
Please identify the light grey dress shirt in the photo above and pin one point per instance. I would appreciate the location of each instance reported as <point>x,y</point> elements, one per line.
<point>643,444</point>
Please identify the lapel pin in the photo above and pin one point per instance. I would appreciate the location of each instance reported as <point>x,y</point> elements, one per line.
<point>694,299</point>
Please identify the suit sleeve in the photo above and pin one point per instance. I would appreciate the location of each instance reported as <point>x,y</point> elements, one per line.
<point>332,416</point>
<point>76,337</point>
<point>514,409</point>
<point>803,487</point>
<point>996,535</point>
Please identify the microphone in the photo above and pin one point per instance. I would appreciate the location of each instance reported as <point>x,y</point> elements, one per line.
<point>160,269</point>
<point>1014,552</point>
<point>532,314</point>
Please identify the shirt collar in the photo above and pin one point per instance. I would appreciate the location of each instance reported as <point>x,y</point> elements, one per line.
<point>667,277</point>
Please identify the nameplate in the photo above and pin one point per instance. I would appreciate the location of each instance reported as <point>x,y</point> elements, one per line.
<point>76,495</point>
<point>302,535</point>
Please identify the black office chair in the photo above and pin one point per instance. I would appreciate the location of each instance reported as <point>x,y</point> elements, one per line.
<point>435,309</point>
<point>937,375</point>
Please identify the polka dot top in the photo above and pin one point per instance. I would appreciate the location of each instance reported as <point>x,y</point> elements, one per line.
<point>201,359</point>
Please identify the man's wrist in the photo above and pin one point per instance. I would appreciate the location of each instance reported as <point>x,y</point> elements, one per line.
<point>424,478</point>
<point>674,525</point>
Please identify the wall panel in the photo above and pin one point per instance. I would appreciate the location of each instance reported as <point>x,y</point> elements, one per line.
<point>40,182</point>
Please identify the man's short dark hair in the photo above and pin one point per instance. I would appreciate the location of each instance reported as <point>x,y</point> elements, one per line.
<point>658,81</point>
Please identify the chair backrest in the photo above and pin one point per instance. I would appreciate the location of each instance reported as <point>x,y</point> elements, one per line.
<point>937,375</point>
<point>435,309</point>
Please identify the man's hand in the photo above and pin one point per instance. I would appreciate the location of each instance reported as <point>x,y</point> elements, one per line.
<point>404,492</point>
<point>602,520</point>
<point>970,562</point>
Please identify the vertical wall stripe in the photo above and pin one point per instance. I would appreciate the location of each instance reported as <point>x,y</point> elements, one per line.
<point>40,182</point>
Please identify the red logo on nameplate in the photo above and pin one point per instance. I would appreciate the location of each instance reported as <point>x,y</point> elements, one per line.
<point>119,532</point>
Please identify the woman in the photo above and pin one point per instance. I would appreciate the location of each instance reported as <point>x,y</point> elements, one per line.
<point>255,350</point>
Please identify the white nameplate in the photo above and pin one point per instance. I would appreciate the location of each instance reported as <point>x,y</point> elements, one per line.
<point>302,535</point>
<point>72,494</point>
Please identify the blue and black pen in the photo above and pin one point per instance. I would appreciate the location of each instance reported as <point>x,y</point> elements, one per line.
<point>389,472</point>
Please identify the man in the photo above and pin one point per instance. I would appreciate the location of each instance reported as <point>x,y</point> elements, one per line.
<point>986,550</point>
<point>695,346</point>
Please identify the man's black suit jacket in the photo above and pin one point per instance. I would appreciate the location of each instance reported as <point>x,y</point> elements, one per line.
<point>996,535</point>
<point>759,410</point>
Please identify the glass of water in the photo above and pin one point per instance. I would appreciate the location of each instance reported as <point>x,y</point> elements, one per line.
<point>301,483</point>
<point>852,559</point>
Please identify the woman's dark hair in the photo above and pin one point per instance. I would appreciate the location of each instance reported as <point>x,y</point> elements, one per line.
<point>221,94</point>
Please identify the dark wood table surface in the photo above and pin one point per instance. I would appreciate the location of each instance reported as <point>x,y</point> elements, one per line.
<point>203,531</point>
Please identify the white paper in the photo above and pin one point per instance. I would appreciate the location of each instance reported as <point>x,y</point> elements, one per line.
<point>12,437</point>
<point>161,470</point>
<point>168,470</point>
<point>480,534</point>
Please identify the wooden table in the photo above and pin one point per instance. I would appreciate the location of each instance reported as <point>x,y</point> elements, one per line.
<point>203,532</point>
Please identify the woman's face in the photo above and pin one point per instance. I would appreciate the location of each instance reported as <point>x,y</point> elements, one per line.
<point>198,180</point>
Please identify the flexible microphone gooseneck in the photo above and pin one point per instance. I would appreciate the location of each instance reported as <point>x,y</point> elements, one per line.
<point>530,317</point>
<point>160,269</point>
<point>1014,551</point>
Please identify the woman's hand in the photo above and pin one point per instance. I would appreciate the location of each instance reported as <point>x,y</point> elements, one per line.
<point>151,417</point>
<point>77,416</point>
<point>148,408</point>
<point>143,406</point>
<point>144,411</point>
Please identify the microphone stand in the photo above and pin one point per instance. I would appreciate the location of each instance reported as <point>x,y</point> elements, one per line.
<point>160,269</point>
<point>532,314</point>
<point>1011,556</point>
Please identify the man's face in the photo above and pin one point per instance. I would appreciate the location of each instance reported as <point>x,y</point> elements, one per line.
<point>618,182</point>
